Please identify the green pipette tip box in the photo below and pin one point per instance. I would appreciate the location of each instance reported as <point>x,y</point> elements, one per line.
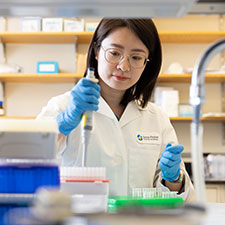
<point>123,202</point>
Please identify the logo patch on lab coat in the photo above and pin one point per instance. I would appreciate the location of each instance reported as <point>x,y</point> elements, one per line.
<point>150,138</point>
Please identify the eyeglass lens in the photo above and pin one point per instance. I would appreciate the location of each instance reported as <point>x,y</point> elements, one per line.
<point>114,56</point>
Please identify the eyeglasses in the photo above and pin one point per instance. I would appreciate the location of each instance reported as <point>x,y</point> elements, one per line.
<point>114,56</point>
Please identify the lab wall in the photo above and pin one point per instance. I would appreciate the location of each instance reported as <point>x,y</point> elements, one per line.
<point>27,99</point>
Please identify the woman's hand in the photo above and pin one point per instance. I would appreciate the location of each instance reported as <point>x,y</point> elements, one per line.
<point>169,162</point>
<point>83,97</point>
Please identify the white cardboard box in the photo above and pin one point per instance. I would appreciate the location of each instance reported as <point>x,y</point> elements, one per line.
<point>31,24</point>
<point>52,24</point>
<point>91,26</point>
<point>73,25</point>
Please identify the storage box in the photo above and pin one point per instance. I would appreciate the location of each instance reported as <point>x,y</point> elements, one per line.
<point>90,26</point>
<point>87,186</point>
<point>73,25</point>
<point>47,67</point>
<point>87,197</point>
<point>169,102</point>
<point>186,110</point>
<point>31,24</point>
<point>52,24</point>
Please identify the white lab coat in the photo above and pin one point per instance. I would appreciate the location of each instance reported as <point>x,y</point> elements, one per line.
<point>129,148</point>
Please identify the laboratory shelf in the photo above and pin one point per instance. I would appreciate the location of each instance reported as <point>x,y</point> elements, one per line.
<point>45,37</point>
<point>209,118</point>
<point>179,78</point>
<point>73,77</point>
<point>190,36</point>
<point>206,118</point>
<point>40,78</point>
<point>17,117</point>
<point>85,37</point>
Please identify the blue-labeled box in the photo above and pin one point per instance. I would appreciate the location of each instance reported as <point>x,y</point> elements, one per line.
<point>47,67</point>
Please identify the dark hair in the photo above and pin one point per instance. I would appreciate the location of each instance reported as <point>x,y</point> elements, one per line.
<point>147,32</point>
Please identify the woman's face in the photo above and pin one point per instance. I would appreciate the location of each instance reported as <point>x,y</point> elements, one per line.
<point>121,75</point>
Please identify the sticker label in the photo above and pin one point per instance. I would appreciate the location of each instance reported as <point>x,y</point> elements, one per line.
<point>148,138</point>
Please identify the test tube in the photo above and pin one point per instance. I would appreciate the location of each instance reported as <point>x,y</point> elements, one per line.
<point>137,193</point>
<point>148,193</point>
<point>158,192</point>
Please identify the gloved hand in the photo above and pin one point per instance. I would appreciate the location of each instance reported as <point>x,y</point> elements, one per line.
<point>169,162</point>
<point>83,97</point>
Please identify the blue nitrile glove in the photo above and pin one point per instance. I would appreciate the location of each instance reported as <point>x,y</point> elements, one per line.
<point>83,97</point>
<point>169,162</point>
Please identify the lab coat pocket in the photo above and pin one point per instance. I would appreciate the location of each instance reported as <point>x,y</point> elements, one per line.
<point>116,172</point>
<point>142,164</point>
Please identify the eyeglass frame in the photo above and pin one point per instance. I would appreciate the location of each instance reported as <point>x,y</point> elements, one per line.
<point>146,59</point>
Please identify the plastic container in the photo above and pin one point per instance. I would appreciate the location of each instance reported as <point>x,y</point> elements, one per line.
<point>10,203</point>
<point>116,203</point>
<point>87,196</point>
<point>26,176</point>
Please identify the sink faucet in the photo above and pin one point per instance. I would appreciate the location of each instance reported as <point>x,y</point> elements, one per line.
<point>197,98</point>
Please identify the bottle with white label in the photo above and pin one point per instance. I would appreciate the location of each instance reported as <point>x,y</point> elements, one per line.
<point>1,99</point>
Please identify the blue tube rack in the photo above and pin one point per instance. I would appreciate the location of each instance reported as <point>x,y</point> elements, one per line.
<point>27,178</point>
<point>19,178</point>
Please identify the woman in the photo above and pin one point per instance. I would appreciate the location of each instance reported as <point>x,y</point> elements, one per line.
<point>131,137</point>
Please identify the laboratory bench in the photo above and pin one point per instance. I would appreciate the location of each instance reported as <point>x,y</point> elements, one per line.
<point>214,214</point>
<point>192,214</point>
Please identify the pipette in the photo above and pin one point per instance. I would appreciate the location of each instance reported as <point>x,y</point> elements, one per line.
<point>87,121</point>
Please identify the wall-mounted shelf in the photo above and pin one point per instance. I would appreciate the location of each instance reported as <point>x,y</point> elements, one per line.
<point>85,37</point>
<point>179,78</point>
<point>40,78</point>
<point>210,118</point>
<point>17,117</point>
<point>45,37</point>
<point>191,36</point>
<point>72,77</point>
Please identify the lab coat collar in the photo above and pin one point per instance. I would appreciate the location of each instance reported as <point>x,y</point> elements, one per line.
<point>104,109</point>
<point>132,112</point>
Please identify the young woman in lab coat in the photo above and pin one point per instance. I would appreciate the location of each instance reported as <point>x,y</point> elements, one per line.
<point>131,136</point>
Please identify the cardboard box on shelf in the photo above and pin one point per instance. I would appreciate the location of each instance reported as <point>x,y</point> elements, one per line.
<point>90,26</point>
<point>47,67</point>
<point>31,24</point>
<point>73,25</point>
<point>52,24</point>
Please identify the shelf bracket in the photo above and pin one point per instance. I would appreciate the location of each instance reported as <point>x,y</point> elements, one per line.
<point>2,51</point>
